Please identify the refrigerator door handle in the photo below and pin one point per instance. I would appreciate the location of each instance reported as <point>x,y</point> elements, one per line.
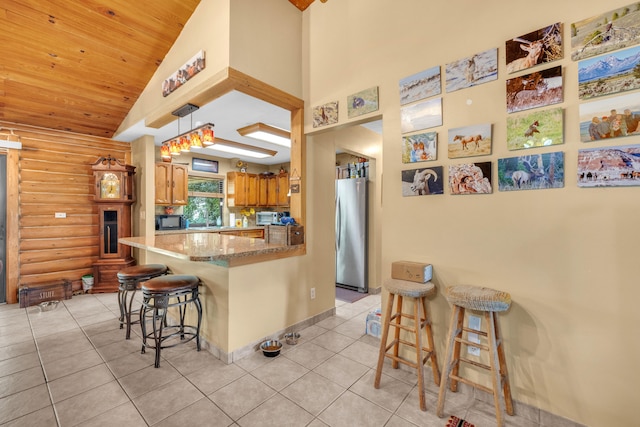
<point>338,224</point>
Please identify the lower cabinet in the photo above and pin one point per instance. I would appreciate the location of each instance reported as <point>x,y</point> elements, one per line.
<point>257,233</point>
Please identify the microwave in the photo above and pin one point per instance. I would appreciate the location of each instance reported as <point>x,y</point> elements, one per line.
<point>267,218</point>
<point>170,222</point>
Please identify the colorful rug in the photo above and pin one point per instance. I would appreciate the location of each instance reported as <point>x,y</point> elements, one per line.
<point>348,295</point>
<point>454,421</point>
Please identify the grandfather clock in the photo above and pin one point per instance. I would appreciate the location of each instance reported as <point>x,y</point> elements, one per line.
<point>114,194</point>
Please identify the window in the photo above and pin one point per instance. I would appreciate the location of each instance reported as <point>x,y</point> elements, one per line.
<point>206,199</point>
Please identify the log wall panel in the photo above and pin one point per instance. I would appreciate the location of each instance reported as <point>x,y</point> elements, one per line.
<point>54,170</point>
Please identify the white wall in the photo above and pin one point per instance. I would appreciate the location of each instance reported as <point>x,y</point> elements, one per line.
<point>567,256</point>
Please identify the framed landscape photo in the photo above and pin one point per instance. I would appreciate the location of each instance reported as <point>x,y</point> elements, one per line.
<point>469,141</point>
<point>609,166</point>
<point>539,128</point>
<point>470,178</point>
<point>531,172</point>
<point>615,72</point>
<point>422,147</point>
<point>420,86</point>
<point>537,47</point>
<point>423,115</point>
<point>422,182</point>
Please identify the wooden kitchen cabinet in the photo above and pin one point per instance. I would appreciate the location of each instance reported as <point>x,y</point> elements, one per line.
<point>172,184</point>
<point>242,189</point>
<point>257,233</point>
<point>282,198</point>
<point>263,190</point>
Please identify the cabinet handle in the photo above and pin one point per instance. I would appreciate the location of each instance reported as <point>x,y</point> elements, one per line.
<point>168,184</point>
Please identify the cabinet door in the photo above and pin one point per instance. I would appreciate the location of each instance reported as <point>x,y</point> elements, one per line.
<point>180,185</point>
<point>163,183</point>
<point>263,190</point>
<point>283,189</point>
<point>252,189</point>
<point>272,191</point>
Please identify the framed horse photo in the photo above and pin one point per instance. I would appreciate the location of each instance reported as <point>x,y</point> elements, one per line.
<point>470,141</point>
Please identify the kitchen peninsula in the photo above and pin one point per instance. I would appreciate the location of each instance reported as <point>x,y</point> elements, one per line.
<point>250,288</point>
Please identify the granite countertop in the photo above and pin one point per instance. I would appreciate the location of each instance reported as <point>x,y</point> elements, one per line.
<point>215,248</point>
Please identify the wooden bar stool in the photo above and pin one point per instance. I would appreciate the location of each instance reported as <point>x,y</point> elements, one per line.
<point>416,293</point>
<point>158,296</point>
<point>129,280</point>
<point>489,302</point>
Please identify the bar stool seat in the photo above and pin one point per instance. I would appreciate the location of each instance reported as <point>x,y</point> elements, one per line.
<point>417,293</point>
<point>158,296</point>
<point>129,280</point>
<point>489,302</point>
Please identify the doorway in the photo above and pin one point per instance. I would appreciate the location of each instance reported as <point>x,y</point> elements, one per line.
<point>3,226</point>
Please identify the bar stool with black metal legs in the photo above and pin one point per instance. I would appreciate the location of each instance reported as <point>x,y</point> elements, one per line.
<point>416,293</point>
<point>488,302</point>
<point>129,280</point>
<point>158,296</point>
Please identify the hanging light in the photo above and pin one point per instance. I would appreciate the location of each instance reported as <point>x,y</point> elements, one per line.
<point>174,147</point>
<point>165,152</point>
<point>208,137</point>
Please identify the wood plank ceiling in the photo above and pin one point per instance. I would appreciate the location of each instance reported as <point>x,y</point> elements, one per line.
<point>80,66</point>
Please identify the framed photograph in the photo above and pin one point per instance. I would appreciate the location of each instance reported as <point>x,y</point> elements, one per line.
<point>180,77</point>
<point>610,118</point>
<point>420,86</point>
<point>537,47</point>
<point>532,172</point>
<point>422,182</point>
<point>470,178</point>
<point>609,166</point>
<point>609,31</point>
<point>535,90</point>
<point>326,114</point>
<point>423,115</point>
<point>204,165</point>
<point>422,147</point>
<point>469,141</point>
<point>536,129</point>
<point>609,74</point>
<point>362,102</point>
<point>473,70</point>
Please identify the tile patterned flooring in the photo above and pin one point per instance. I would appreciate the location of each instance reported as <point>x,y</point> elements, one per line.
<point>72,367</point>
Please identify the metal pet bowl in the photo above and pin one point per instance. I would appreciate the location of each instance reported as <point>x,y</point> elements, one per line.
<point>48,305</point>
<point>271,348</point>
<point>292,338</point>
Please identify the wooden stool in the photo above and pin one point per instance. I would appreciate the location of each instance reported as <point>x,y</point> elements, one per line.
<point>490,302</point>
<point>158,296</point>
<point>129,280</point>
<point>417,293</point>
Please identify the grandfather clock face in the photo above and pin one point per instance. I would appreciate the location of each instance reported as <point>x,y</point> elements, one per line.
<point>110,186</point>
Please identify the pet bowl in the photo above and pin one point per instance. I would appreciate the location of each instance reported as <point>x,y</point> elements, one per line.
<point>292,338</point>
<point>48,305</point>
<point>271,348</point>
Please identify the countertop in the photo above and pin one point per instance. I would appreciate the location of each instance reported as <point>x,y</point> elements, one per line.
<point>212,247</point>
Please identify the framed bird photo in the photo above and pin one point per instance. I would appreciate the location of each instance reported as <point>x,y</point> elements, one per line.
<point>537,129</point>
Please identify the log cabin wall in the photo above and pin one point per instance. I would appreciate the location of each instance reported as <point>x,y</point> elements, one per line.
<point>54,175</point>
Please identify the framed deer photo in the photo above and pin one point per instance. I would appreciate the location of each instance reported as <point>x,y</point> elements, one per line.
<point>531,172</point>
<point>537,47</point>
<point>534,90</point>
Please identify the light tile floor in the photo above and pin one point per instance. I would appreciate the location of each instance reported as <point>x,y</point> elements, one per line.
<point>72,367</point>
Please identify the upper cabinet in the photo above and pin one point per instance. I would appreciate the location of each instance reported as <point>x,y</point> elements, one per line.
<point>171,182</point>
<point>247,189</point>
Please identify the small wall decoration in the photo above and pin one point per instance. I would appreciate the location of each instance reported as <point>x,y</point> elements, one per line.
<point>362,102</point>
<point>609,166</point>
<point>469,141</point>
<point>420,85</point>
<point>609,74</point>
<point>326,114</point>
<point>616,29</point>
<point>610,118</point>
<point>532,172</point>
<point>421,147</point>
<point>180,77</point>
<point>535,90</point>
<point>537,129</point>
<point>473,70</point>
<point>537,47</point>
<point>422,182</point>
<point>204,165</point>
<point>470,178</point>
<point>423,115</point>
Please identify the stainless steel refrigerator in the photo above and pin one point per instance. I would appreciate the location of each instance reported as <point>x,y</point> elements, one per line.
<point>351,234</point>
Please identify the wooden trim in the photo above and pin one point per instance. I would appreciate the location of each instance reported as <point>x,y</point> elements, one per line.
<point>13,232</point>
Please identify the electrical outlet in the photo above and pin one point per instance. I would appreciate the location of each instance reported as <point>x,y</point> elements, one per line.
<point>474,323</point>
<point>61,215</point>
<point>313,293</point>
